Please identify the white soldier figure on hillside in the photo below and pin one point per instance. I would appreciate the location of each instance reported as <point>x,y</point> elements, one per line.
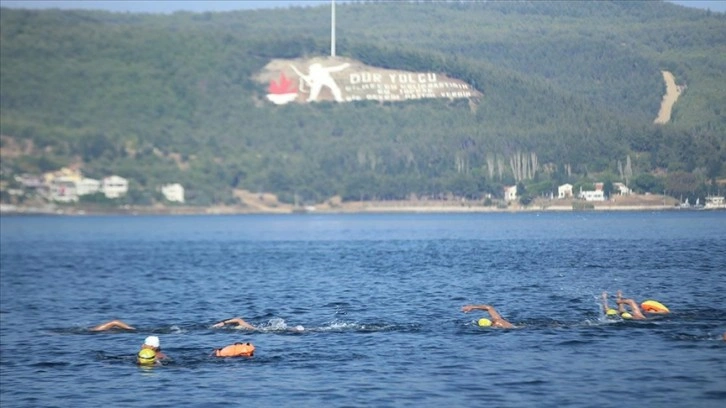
<point>319,76</point>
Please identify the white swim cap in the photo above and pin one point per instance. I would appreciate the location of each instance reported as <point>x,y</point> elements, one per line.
<point>152,341</point>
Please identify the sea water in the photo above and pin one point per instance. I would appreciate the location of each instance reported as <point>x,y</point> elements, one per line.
<point>379,300</point>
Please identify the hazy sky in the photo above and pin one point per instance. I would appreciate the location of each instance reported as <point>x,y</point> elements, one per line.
<point>170,6</point>
<point>164,6</point>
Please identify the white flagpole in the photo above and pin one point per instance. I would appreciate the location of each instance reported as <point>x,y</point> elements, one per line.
<point>332,29</point>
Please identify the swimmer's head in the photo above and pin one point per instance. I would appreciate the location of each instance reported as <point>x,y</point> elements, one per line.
<point>152,341</point>
<point>146,357</point>
<point>626,315</point>
<point>484,322</point>
<point>611,312</point>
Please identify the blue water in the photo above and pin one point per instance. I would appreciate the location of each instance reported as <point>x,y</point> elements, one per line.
<point>380,299</point>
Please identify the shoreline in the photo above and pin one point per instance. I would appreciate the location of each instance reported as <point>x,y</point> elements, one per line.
<point>11,210</point>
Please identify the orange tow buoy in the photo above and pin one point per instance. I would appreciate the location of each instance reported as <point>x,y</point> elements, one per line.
<point>236,350</point>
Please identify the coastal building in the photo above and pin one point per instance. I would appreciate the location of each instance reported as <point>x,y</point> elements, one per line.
<point>63,190</point>
<point>173,192</point>
<point>114,186</point>
<point>15,192</point>
<point>64,173</point>
<point>564,191</point>
<point>30,181</point>
<point>510,193</point>
<point>713,202</point>
<point>88,186</point>
<point>590,195</point>
<point>621,188</point>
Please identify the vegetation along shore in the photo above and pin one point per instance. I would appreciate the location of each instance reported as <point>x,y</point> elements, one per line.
<point>507,106</point>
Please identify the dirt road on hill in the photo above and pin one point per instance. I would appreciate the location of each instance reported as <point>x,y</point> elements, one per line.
<point>673,91</point>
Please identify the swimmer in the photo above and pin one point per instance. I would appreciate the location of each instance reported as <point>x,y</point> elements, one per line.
<point>113,324</point>
<point>242,324</point>
<point>152,343</point>
<point>635,314</point>
<point>238,321</point>
<point>496,321</point>
<point>648,306</point>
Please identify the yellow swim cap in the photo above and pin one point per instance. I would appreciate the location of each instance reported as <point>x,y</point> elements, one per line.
<point>611,312</point>
<point>626,315</point>
<point>146,357</point>
<point>483,322</point>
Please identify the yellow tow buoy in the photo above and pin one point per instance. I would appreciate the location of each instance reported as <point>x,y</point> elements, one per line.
<point>146,357</point>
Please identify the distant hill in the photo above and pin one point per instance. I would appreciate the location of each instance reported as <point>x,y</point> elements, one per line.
<point>570,91</point>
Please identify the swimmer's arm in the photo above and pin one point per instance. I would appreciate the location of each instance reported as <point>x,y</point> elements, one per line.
<point>469,308</point>
<point>637,314</point>
<point>605,306</point>
<point>236,320</point>
<point>495,315</point>
<point>111,325</point>
<point>621,304</point>
<point>487,308</point>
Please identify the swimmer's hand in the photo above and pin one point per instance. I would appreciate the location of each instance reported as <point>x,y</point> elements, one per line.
<point>219,324</point>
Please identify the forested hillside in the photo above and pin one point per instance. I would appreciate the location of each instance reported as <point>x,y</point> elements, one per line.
<point>570,92</point>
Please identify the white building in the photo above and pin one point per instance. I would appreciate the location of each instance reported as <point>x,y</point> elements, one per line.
<point>715,202</point>
<point>621,188</point>
<point>510,193</point>
<point>29,181</point>
<point>597,195</point>
<point>173,192</point>
<point>63,190</point>
<point>114,186</point>
<point>88,186</point>
<point>564,191</point>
